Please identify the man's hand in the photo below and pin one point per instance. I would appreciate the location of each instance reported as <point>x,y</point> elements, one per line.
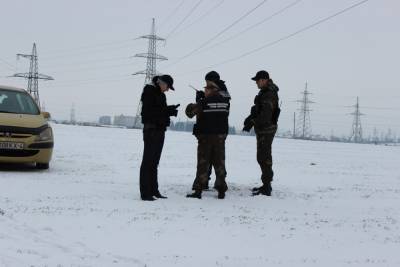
<point>173,110</point>
<point>248,124</point>
<point>200,95</point>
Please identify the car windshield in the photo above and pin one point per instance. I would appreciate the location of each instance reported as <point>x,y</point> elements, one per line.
<point>17,102</point>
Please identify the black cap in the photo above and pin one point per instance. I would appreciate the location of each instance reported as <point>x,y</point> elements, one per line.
<point>262,74</point>
<point>168,80</point>
<point>212,76</point>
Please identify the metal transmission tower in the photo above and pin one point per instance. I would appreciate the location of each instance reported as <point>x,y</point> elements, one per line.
<point>304,121</point>
<point>356,135</point>
<point>33,76</point>
<point>151,66</point>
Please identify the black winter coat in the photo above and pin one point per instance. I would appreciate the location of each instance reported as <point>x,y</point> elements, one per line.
<point>155,112</point>
<point>213,115</point>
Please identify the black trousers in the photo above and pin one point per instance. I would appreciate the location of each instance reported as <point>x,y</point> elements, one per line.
<point>153,145</point>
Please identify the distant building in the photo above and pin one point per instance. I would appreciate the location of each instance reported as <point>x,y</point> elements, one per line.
<point>126,121</point>
<point>105,120</point>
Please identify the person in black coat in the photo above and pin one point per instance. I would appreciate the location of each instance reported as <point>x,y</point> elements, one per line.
<point>155,118</point>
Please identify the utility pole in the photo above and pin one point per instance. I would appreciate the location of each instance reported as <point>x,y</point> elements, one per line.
<point>151,65</point>
<point>72,115</point>
<point>304,121</point>
<point>294,125</point>
<point>33,75</point>
<point>356,135</point>
<point>375,137</point>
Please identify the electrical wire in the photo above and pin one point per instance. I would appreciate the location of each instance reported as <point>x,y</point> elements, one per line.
<point>85,62</point>
<point>171,14</point>
<point>207,13</point>
<point>86,82</point>
<point>219,33</point>
<point>112,43</point>
<point>6,64</point>
<point>282,10</point>
<point>184,19</point>
<point>284,37</point>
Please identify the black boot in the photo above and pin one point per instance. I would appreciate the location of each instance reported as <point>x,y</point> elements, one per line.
<point>255,189</point>
<point>196,194</point>
<point>221,194</point>
<point>158,195</point>
<point>265,190</point>
<point>148,198</point>
<point>204,187</point>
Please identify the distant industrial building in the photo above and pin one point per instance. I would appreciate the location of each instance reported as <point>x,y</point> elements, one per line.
<point>105,120</point>
<point>126,121</point>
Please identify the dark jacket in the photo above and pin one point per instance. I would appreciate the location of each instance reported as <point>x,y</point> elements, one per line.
<point>155,112</point>
<point>212,114</point>
<point>265,112</point>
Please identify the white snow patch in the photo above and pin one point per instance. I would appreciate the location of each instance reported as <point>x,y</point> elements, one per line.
<point>333,205</point>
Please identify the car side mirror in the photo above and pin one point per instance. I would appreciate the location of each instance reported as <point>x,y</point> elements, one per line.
<point>46,115</point>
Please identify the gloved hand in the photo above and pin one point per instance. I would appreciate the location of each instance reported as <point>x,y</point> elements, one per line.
<point>248,124</point>
<point>173,110</point>
<point>200,95</point>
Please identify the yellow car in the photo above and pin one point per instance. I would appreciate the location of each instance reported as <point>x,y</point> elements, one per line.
<point>25,135</point>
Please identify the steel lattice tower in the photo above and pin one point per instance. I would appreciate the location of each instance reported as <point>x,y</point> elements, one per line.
<point>151,65</point>
<point>356,135</point>
<point>33,75</point>
<point>304,121</point>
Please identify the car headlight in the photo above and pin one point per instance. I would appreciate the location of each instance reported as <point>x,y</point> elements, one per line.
<point>46,135</point>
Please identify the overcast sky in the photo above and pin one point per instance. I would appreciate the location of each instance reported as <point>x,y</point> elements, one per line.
<point>87,46</point>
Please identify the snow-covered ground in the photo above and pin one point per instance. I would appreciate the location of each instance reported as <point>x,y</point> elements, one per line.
<point>333,205</point>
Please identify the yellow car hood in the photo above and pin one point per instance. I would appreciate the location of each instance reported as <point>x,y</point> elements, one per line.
<point>22,120</point>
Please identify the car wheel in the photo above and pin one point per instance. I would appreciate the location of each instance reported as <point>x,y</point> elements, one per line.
<point>42,166</point>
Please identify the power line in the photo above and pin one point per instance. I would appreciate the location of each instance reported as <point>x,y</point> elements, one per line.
<point>364,107</point>
<point>219,33</point>
<point>251,27</point>
<point>96,68</point>
<point>204,15</point>
<point>109,43</point>
<point>56,66</point>
<point>79,53</point>
<point>184,19</point>
<point>171,14</point>
<point>285,37</point>
<point>6,64</point>
<point>88,82</point>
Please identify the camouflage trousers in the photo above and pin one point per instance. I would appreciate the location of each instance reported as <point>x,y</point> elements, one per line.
<point>211,152</point>
<point>264,155</point>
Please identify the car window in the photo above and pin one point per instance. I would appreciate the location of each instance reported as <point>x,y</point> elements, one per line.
<point>17,102</point>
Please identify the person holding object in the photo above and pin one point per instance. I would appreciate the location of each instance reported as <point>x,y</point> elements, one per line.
<point>264,118</point>
<point>211,130</point>
<point>155,118</point>
<point>210,77</point>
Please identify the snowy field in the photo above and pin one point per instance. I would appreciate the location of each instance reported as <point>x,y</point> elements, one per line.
<point>333,204</point>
